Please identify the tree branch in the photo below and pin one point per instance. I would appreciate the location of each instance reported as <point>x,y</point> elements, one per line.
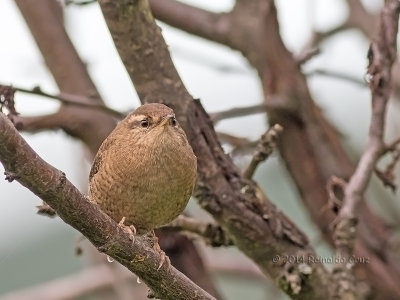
<point>336,75</point>
<point>71,99</point>
<point>264,149</point>
<point>46,25</point>
<point>38,123</point>
<point>238,112</point>
<point>212,233</point>
<point>75,209</point>
<point>382,54</point>
<point>203,23</point>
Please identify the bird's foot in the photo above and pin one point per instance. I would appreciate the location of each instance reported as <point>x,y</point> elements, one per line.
<point>131,230</point>
<point>164,257</point>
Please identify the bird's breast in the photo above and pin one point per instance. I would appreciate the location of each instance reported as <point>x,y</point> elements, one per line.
<point>149,184</point>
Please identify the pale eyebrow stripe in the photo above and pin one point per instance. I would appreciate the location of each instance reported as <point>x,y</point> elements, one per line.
<point>136,118</point>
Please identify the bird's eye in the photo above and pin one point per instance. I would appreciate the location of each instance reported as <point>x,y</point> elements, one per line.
<point>144,123</point>
<point>173,121</point>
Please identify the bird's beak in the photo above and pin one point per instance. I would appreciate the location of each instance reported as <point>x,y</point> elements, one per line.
<point>165,120</point>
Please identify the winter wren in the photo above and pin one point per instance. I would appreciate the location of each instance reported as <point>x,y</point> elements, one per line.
<point>145,170</point>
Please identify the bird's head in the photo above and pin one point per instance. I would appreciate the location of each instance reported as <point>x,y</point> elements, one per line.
<point>153,122</point>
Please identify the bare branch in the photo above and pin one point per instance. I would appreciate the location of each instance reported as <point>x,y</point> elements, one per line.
<point>233,140</point>
<point>265,146</point>
<point>387,176</point>
<point>212,233</point>
<point>79,3</point>
<point>46,210</point>
<point>392,146</point>
<point>305,55</point>
<point>66,98</point>
<point>44,19</point>
<point>336,75</point>
<point>39,123</point>
<point>203,23</point>
<point>319,36</point>
<point>75,209</point>
<point>382,54</point>
<point>241,145</point>
<point>238,112</point>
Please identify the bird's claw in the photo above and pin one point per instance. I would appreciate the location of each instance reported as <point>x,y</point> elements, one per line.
<point>164,257</point>
<point>131,230</point>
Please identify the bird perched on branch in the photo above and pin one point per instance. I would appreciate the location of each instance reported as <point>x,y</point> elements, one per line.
<point>144,172</point>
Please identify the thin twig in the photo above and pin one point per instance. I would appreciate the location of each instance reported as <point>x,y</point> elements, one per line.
<point>305,55</point>
<point>337,75</point>
<point>235,141</point>
<point>264,149</point>
<point>212,233</point>
<point>66,98</point>
<point>319,36</point>
<point>238,112</point>
<point>393,145</point>
<point>387,176</point>
<point>45,210</point>
<point>240,145</point>
<point>79,3</point>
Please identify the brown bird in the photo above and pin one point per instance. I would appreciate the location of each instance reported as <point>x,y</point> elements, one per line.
<point>145,171</point>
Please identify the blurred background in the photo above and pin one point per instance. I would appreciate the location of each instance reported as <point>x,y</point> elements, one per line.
<point>35,249</point>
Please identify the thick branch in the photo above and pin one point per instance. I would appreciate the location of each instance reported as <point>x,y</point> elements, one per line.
<point>72,207</point>
<point>206,24</point>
